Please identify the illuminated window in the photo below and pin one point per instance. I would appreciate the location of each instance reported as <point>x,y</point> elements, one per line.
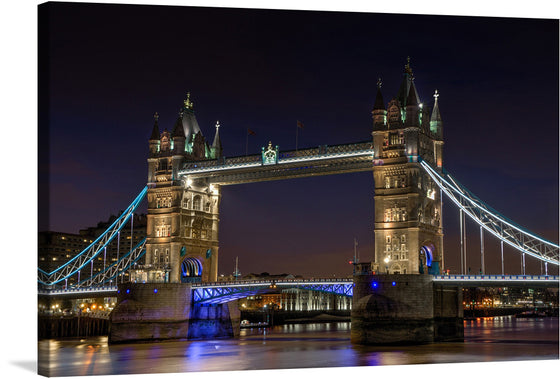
<point>403,247</point>
<point>163,230</point>
<point>196,203</point>
<point>387,182</point>
<point>388,239</point>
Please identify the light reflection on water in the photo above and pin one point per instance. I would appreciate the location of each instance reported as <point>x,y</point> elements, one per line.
<point>301,346</point>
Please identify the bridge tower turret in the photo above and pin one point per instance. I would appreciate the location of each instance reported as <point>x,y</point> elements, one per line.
<point>379,122</point>
<point>182,225</point>
<point>408,229</point>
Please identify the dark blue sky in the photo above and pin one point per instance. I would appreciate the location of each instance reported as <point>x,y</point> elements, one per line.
<point>110,67</point>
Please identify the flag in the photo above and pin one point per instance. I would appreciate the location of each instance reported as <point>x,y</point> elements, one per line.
<point>299,124</point>
<point>250,132</point>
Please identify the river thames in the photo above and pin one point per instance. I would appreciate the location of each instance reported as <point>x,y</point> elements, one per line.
<point>301,346</point>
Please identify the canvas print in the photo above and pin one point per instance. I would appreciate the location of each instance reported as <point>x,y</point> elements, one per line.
<point>227,189</point>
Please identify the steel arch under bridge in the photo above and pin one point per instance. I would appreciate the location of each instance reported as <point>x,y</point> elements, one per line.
<point>218,293</point>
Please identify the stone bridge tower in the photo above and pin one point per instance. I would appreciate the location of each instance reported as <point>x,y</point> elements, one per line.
<point>183,217</point>
<point>408,222</point>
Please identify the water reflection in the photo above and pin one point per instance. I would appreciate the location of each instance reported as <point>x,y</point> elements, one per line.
<point>300,346</point>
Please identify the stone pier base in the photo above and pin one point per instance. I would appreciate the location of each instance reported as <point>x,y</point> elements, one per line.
<point>164,311</point>
<point>404,309</point>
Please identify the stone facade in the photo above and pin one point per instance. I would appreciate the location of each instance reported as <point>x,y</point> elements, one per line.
<point>408,222</point>
<point>164,311</point>
<point>404,309</point>
<point>183,215</point>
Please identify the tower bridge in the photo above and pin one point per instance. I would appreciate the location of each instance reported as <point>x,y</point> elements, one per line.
<point>179,258</point>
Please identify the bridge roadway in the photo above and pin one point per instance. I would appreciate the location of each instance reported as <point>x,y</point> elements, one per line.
<point>322,160</point>
<point>221,292</point>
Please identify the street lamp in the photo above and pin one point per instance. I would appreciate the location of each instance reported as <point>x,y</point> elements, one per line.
<point>386,260</point>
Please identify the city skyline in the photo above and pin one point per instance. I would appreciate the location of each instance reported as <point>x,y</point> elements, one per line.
<point>252,69</point>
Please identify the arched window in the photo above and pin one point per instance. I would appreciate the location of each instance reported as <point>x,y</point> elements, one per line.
<point>196,203</point>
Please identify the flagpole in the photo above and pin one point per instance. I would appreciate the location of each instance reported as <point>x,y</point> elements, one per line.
<point>247,142</point>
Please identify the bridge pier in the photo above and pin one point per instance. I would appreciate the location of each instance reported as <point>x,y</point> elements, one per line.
<point>404,309</point>
<point>164,311</point>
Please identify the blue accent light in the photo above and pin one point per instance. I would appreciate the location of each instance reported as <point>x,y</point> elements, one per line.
<point>127,290</point>
<point>374,284</point>
<point>394,284</point>
<point>155,290</point>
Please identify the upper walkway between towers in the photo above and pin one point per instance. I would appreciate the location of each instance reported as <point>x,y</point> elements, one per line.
<point>272,164</point>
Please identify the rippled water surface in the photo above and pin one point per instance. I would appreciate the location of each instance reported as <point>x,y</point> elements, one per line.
<point>300,346</point>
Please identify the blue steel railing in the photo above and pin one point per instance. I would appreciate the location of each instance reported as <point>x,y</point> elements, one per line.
<point>222,292</point>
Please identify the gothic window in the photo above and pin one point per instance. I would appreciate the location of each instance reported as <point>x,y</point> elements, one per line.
<point>163,164</point>
<point>196,203</point>
<point>163,230</point>
<point>403,214</point>
<point>207,207</point>
<point>155,259</point>
<point>388,239</point>
<point>186,203</point>
<point>387,182</point>
<point>403,247</point>
<point>396,183</point>
<point>165,143</point>
<point>388,248</point>
<point>387,217</point>
<point>403,238</point>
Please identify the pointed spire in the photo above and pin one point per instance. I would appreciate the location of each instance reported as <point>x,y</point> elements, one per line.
<point>436,123</point>
<point>178,127</point>
<point>406,85</point>
<point>412,98</point>
<point>436,116</point>
<point>155,130</point>
<point>217,144</point>
<point>379,103</point>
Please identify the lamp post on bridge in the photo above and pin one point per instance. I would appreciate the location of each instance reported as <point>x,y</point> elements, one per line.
<point>386,260</point>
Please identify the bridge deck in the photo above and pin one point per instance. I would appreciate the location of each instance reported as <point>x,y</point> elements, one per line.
<point>322,160</point>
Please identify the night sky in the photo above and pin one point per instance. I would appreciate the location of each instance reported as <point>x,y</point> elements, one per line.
<point>109,68</point>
